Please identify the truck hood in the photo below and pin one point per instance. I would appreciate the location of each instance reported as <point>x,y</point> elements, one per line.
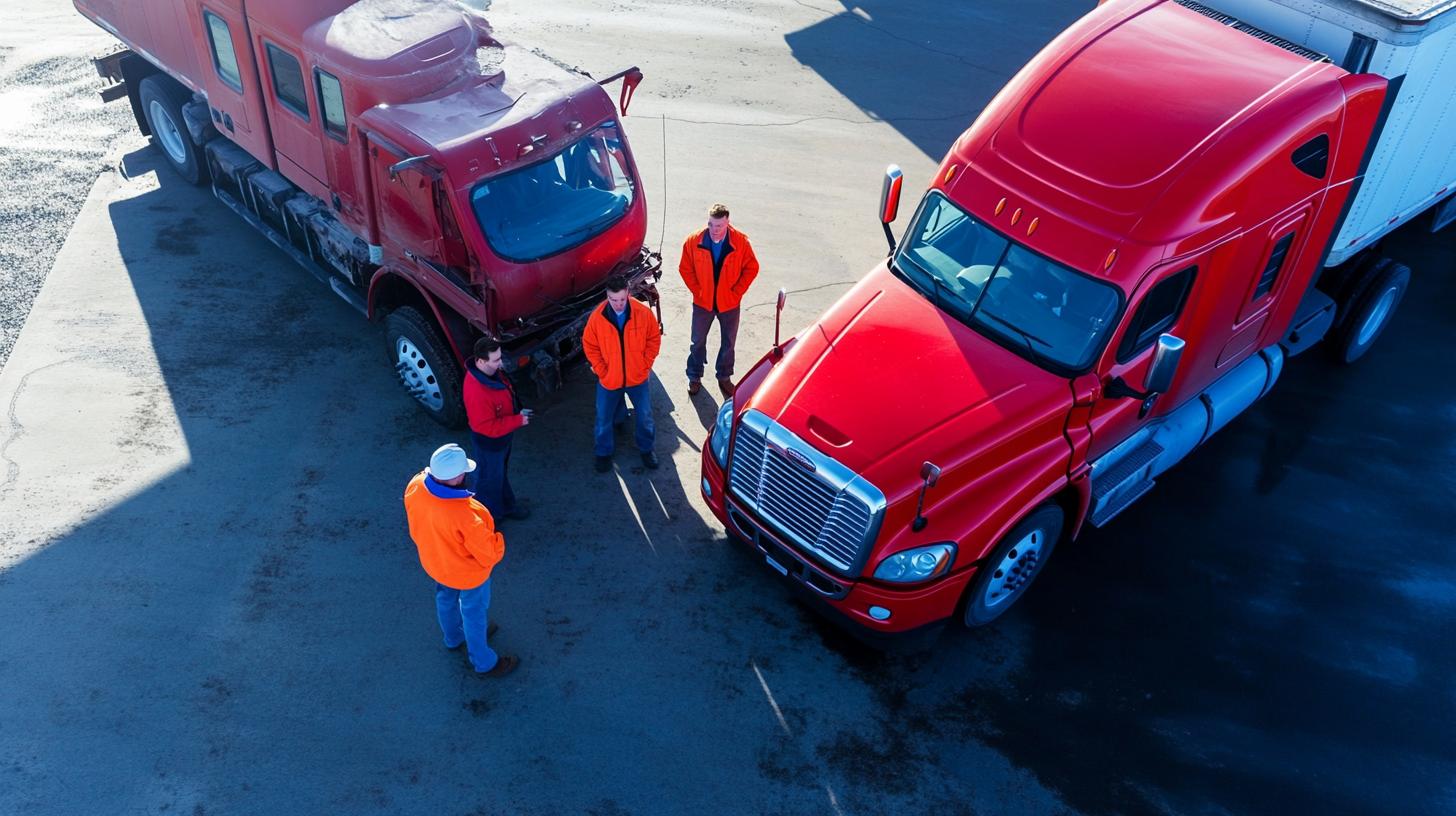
<point>885,381</point>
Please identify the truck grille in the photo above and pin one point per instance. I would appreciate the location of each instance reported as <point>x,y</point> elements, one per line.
<point>816,503</point>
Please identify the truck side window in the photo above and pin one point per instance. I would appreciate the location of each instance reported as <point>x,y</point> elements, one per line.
<point>1271,269</point>
<point>1313,157</point>
<point>331,104</point>
<point>224,58</point>
<point>1156,314</point>
<point>288,83</point>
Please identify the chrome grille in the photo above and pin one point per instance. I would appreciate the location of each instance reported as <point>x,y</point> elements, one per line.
<point>828,510</point>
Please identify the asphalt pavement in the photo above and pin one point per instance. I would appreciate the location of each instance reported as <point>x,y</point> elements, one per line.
<point>209,603</point>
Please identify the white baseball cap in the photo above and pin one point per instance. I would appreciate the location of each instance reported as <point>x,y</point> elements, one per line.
<point>450,461</point>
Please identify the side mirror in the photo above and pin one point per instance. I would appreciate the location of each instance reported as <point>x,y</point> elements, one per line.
<point>778,318</point>
<point>890,194</point>
<point>1164,365</point>
<point>929,475</point>
<point>890,201</point>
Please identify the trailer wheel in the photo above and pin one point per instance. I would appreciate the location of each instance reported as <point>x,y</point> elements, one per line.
<point>425,366</point>
<point>162,100</point>
<point>1371,307</point>
<point>1013,565</point>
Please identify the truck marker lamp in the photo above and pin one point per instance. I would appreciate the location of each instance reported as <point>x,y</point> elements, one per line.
<point>1111,256</point>
<point>1016,216</point>
<point>1030,228</point>
<point>917,564</point>
<point>722,427</point>
<point>950,173</point>
<point>1000,205</point>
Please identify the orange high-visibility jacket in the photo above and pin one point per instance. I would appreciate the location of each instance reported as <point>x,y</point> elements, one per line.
<point>455,534</point>
<point>737,269</point>
<point>622,358</point>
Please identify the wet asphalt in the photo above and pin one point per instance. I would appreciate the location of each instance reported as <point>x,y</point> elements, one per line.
<point>1269,631</point>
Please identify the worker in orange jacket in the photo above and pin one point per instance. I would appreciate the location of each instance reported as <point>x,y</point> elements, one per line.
<point>459,548</point>
<point>621,341</point>
<point>718,266</point>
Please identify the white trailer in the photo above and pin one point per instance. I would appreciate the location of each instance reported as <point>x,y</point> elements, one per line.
<point>1412,165</point>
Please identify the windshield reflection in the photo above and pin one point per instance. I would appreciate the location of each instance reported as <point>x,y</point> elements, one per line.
<point>1051,314</point>
<point>556,204</point>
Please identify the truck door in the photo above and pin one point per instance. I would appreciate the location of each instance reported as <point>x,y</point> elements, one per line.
<point>231,81</point>
<point>1277,249</point>
<point>1157,307</point>
<point>339,157</point>
<point>296,141</point>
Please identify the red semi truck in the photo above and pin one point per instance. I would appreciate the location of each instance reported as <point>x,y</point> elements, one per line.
<point>1113,262</point>
<point>438,179</point>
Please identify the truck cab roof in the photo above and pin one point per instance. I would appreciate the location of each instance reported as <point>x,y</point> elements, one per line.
<point>1199,103</point>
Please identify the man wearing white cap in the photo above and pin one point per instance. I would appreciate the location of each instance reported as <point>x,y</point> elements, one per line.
<point>459,547</point>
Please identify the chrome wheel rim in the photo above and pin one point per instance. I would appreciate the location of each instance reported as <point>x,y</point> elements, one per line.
<point>167,133</point>
<point>416,374</point>
<point>1377,316</point>
<point>1016,569</point>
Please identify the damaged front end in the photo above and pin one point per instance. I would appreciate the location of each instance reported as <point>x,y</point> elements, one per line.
<point>537,347</point>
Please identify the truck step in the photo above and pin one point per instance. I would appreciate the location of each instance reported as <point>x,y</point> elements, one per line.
<point>1125,470</point>
<point>1107,511</point>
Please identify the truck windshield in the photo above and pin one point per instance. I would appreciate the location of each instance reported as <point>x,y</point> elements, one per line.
<point>556,204</point>
<point>1050,314</point>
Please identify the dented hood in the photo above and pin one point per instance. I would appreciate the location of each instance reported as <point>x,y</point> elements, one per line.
<point>885,381</point>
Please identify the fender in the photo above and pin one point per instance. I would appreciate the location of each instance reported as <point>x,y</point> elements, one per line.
<point>386,275</point>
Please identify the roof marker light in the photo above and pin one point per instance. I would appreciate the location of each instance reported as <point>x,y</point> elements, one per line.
<point>1000,205</point>
<point>1030,228</point>
<point>1016,216</point>
<point>950,173</point>
<point>1111,256</point>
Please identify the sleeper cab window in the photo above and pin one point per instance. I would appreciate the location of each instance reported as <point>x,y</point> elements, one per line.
<point>331,104</point>
<point>288,83</point>
<point>224,58</point>
<point>1156,314</point>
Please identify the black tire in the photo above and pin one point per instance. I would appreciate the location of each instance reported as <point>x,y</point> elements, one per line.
<point>1373,302</point>
<point>1045,524</point>
<point>425,366</point>
<point>162,100</point>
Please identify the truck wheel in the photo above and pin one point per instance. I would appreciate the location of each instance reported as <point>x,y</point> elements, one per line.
<point>1371,307</point>
<point>1012,565</point>
<point>162,100</point>
<point>425,366</point>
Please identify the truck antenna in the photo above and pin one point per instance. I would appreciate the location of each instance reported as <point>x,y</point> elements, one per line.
<point>662,236</point>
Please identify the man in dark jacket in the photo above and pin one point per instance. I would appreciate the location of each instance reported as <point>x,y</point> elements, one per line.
<point>494,413</point>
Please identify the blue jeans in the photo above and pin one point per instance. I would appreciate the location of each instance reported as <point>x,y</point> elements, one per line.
<point>727,337</point>
<point>463,618</point>
<point>492,477</point>
<point>612,408</point>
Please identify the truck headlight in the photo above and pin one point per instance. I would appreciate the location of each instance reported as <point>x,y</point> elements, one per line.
<point>722,428</point>
<point>918,564</point>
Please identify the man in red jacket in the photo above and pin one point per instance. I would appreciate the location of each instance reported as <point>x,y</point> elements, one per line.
<point>718,265</point>
<point>459,548</point>
<point>495,414</point>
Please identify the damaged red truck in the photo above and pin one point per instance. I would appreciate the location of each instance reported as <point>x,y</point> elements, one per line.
<point>1113,262</point>
<point>439,180</point>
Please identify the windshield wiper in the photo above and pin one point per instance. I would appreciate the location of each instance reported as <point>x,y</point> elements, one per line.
<point>591,227</point>
<point>1026,338</point>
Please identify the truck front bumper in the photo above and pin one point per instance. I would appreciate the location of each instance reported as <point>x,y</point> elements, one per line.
<point>543,359</point>
<point>911,609</point>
